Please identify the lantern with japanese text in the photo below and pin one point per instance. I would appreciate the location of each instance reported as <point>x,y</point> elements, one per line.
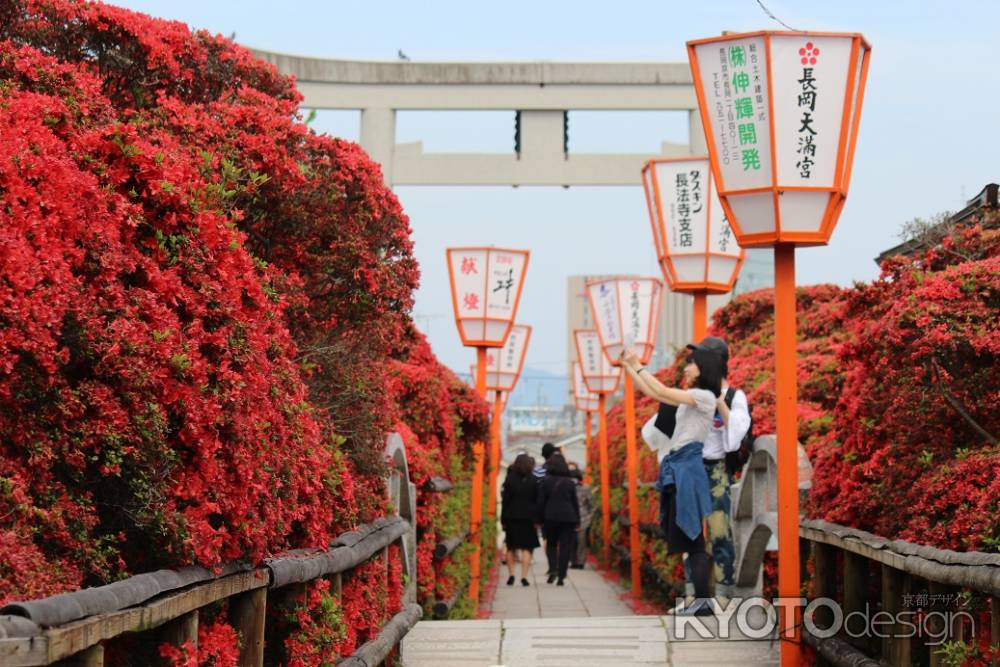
<point>601,378</point>
<point>485,290</point>
<point>503,368</point>
<point>781,112</point>
<point>626,311</point>
<point>486,287</point>
<point>695,246</point>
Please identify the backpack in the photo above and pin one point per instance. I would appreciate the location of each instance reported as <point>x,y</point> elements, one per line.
<point>736,460</point>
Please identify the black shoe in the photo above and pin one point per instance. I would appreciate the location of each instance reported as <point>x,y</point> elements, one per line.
<point>525,582</point>
<point>551,578</point>
<point>510,580</point>
<point>561,582</point>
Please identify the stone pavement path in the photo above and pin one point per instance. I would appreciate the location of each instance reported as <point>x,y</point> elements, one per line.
<point>586,593</point>
<point>582,624</point>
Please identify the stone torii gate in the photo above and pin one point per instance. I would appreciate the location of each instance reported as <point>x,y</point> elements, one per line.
<point>540,93</point>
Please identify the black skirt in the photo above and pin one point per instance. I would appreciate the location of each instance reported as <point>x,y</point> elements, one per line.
<point>521,534</point>
<point>677,540</point>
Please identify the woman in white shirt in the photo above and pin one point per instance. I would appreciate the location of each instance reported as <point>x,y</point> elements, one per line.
<point>683,484</point>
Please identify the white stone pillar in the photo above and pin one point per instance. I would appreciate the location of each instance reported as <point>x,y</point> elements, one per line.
<point>378,137</point>
<point>696,134</point>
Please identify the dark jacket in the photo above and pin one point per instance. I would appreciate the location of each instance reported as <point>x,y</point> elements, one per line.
<point>518,498</point>
<point>557,498</point>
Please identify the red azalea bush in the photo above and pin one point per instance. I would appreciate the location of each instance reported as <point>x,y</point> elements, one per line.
<point>440,419</point>
<point>896,397</point>
<point>203,312</point>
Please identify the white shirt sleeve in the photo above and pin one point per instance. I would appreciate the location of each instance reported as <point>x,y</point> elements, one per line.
<point>739,422</point>
<point>704,400</point>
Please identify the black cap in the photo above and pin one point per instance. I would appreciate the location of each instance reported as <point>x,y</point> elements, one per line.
<point>712,344</point>
<point>548,449</point>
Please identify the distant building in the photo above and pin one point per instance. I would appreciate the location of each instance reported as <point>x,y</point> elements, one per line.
<point>987,199</point>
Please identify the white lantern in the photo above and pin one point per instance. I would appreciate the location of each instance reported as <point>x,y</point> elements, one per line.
<point>585,400</point>
<point>781,113</point>
<point>599,375</point>
<point>503,366</point>
<point>485,290</point>
<point>626,311</point>
<point>695,246</point>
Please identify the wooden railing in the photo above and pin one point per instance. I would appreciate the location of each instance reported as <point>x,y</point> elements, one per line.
<point>860,571</point>
<point>445,548</point>
<point>71,628</point>
<point>850,564</point>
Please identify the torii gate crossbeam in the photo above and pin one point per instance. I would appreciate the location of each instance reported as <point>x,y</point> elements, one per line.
<point>541,94</point>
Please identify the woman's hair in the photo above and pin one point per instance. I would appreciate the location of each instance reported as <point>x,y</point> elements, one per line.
<point>711,370</point>
<point>523,465</point>
<point>557,465</point>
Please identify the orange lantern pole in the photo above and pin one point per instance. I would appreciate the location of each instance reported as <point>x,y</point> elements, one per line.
<point>601,378</point>
<point>783,184</point>
<point>486,286</point>
<point>586,401</point>
<point>503,369</point>
<point>694,243</point>
<point>626,311</point>
<point>602,443</point>
<point>475,522</point>
<point>700,314</point>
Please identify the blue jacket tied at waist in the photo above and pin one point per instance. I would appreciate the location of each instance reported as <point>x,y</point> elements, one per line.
<point>684,469</point>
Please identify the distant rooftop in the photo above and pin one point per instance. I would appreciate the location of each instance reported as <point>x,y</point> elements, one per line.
<point>985,200</point>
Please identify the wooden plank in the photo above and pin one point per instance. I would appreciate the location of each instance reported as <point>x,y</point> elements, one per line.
<point>246,614</point>
<point>92,657</point>
<point>895,647</point>
<point>854,546</point>
<point>72,638</point>
<point>24,652</point>
<point>937,624</point>
<point>855,590</point>
<point>375,651</point>
<point>825,566</point>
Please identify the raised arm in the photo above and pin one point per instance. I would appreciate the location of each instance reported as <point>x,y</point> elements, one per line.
<point>650,386</point>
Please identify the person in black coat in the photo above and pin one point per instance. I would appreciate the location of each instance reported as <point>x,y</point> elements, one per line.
<point>518,509</point>
<point>559,512</point>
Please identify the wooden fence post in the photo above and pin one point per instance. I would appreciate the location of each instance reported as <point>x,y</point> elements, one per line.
<point>895,585</point>
<point>825,567</point>
<point>181,630</point>
<point>855,590</point>
<point>246,613</point>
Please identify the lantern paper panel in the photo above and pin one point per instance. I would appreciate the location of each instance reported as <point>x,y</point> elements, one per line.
<point>659,246</point>
<point>503,366</point>
<point>781,111</point>
<point>599,375</point>
<point>491,394</point>
<point>699,249</point>
<point>486,287</point>
<point>585,400</point>
<point>626,311</point>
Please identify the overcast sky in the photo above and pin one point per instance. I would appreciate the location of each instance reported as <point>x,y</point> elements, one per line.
<point>929,136</point>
